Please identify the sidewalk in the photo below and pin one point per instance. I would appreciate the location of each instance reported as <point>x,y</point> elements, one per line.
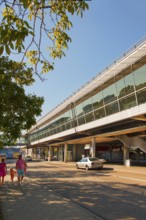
<point>35,201</point>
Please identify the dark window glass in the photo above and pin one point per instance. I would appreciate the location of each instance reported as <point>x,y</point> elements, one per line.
<point>68,125</point>
<point>88,107</point>
<point>110,94</point>
<point>129,81</point>
<point>97,100</point>
<point>67,116</point>
<point>89,117</point>
<point>62,127</point>
<point>79,110</point>
<point>120,84</point>
<point>141,97</point>
<point>73,123</point>
<point>58,129</point>
<point>81,120</point>
<point>140,77</point>
<point>112,108</point>
<point>127,102</point>
<point>54,131</point>
<point>99,113</point>
<point>84,160</point>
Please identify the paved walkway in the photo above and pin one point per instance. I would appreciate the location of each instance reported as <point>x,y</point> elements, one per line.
<point>35,201</point>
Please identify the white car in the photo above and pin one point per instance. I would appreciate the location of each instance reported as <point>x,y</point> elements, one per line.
<point>28,158</point>
<point>90,163</point>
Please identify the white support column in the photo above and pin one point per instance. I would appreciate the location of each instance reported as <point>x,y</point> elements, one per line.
<point>38,153</point>
<point>49,153</point>
<point>92,148</point>
<point>65,153</point>
<point>126,156</point>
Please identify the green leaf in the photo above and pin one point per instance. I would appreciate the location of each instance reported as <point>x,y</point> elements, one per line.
<point>11,45</point>
<point>19,49</point>
<point>1,50</point>
<point>7,49</point>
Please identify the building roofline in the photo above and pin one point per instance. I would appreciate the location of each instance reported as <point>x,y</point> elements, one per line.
<point>127,59</point>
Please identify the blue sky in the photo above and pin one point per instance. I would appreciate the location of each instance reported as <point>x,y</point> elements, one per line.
<point>107,30</point>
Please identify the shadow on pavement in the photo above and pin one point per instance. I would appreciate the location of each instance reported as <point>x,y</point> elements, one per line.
<point>56,192</point>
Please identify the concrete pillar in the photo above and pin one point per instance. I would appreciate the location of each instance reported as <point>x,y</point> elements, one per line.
<point>65,153</point>
<point>126,156</point>
<point>38,153</point>
<point>49,153</point>
<point>74,152</point>
<point>46,153</point>
<point>60,153</point>
<point>92,148</point>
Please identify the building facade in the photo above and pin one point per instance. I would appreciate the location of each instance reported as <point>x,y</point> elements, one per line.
<point>105,118</point>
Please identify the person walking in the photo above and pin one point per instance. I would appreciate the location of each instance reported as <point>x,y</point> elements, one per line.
<point>20,167</point>
<point>12,175</point>
<point>3,171</point>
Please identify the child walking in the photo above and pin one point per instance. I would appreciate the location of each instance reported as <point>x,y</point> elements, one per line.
<point>12,175</point>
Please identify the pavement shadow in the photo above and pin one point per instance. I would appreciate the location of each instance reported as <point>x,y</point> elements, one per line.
<point>59,193</point>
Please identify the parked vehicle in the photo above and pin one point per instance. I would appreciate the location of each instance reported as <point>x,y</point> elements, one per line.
<point>28,158</point>
<point>90,163</point>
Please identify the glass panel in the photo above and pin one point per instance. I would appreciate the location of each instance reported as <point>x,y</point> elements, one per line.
<point>62,127</point>
<point>97,100</point>
<point>54,131</point>
<point>81,120</point>
<point>79,110</point>
<point>55,122</point>
<point>129,81</point>
<point>99,113</point>
<point>89,117</point>
<point>58,129</point>
<point>87,105</point>
<point>73,123</point>
<point>112,108</point>
<point>110,94</point>
<point>121,87</point>
<point>68,125</point>
<point>127,102</point>
<point>140,77</point>
<point>48,134</point>
<point>66,116</point>
<point>141,97</point>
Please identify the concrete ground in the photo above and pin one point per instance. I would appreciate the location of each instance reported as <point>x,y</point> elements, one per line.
<point>53,191</point>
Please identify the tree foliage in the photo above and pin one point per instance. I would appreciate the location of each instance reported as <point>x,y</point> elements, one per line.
<point>18,110</point>
<point>27,25</point>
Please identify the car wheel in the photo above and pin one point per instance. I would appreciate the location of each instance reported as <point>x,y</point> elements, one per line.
<point>77,166</point>
<point>86,167</point>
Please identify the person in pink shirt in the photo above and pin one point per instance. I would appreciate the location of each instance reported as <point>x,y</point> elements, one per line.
<point>3,171</point>
<point>20,167</point>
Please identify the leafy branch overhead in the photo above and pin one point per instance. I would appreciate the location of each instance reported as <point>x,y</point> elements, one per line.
<point>29,26</point>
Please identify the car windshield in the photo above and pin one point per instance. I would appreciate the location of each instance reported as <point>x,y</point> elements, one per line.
<point>93,158</point>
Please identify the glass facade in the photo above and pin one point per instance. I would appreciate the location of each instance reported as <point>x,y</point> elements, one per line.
<point>124,91</point>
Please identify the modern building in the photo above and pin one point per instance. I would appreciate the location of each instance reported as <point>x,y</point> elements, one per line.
<point>105,118</point>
